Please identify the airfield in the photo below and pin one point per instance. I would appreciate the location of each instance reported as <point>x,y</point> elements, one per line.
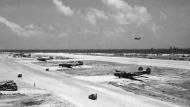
<point>168,85</point>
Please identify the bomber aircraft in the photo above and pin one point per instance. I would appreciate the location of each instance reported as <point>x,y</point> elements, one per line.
<point>45,58</point>
<point>131,75</point>
<point>71,64</point>
<point>137,38</point>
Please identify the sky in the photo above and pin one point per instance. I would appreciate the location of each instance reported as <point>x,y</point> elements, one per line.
<point>94,24</point>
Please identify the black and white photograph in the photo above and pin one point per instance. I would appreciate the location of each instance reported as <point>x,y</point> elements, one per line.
<point>94,53</point>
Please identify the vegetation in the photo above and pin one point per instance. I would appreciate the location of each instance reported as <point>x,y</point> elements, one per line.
<point>171,50</point>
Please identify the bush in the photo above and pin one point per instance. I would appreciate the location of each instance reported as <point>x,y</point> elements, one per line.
<point>140,68</point>
<point>148,70</point>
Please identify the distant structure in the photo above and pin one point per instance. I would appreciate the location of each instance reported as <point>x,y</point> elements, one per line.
<point>21,54</point>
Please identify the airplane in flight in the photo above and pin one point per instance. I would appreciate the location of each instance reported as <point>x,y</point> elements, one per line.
<point>137,38</point>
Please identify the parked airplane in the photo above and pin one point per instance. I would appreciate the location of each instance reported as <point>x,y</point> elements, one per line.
<point>45,58</point>
<point>130,75</point>
<point>70,64</point>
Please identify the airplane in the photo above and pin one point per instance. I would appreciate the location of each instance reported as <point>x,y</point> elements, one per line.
<point>45,58</point>
<point>131,75</point>
<point>137,38</point>
<point>70,64</point>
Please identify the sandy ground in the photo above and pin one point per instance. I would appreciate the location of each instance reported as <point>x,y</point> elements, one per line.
<point>32,97</point>
<point>75,90</point>
<point>160,87</point>
<point>27,94</point>
<point>169,82</point>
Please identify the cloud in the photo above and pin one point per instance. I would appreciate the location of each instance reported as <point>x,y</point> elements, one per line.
<point>114,32</point>
<point>155,28</point>
<point>110,33</point>
<point>163,15</point>
<point>63,34</point>
<point>87,31</point>
<point>119,4</point>
<point>30,26</point>
<point>127,14</point>
<point>94,14</point>
<point>51,28</point>
<point>21,31</point>
<point>66,10</point>
<point>120,30</point>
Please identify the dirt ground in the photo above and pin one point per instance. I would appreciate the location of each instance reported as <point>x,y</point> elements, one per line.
<point>167,84</point>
